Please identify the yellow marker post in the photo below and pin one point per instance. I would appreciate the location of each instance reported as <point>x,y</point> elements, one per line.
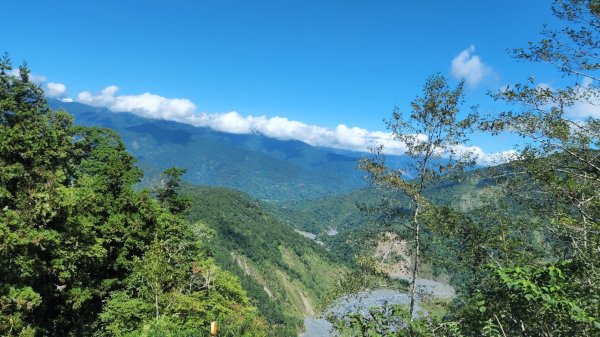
<point>213,328</point>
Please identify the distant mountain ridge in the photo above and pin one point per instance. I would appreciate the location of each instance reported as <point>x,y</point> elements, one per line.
<point>263,167</point>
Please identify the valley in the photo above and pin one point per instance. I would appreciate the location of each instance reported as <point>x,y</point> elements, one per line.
<point>126,213</point>
<point>289,249</point>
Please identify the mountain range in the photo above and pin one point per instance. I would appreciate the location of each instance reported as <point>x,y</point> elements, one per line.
<point>266,168</point>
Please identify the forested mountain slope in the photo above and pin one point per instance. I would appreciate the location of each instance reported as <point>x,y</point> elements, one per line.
<point>285,274</point>
<point>343,212</point>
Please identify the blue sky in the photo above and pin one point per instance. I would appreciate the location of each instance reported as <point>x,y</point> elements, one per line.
<point>318,63</point>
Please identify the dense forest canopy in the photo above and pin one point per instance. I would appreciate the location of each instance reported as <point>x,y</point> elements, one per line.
<point>85,254</point>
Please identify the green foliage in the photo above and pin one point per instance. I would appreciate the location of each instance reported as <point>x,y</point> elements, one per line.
<point>537,300</point>
<point>394,321</point>
<point>555,179</point>
<point>527,254</point>
<point>318,215</point>
<point>81,252</point>
<point>53,242</point>
<point>366,275</point>
<point>170,294</point>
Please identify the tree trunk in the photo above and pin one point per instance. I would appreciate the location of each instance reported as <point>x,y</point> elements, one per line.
<point>156,307</point>
<point>415,267</point>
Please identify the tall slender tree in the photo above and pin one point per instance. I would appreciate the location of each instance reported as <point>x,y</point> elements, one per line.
<point>434,135</point>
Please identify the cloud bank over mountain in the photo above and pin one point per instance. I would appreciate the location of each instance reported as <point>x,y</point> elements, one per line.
<point>184,111</point>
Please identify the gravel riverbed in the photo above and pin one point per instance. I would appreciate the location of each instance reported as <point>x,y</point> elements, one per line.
<point>360,302</point>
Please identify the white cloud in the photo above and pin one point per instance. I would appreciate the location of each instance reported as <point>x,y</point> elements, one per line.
<point>55,89</point>
<point>483,158</point>
<point>469,67</point>
<point>146,104</point>
<point>589,104</point>
<point>32,77</point>
<point>586,100</point>
<point>585,109</point>
<point>184,111</point>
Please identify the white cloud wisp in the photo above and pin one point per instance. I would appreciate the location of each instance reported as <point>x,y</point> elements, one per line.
<point>37,79</point>
<point>589,104</point>
<point>52,89</point>
<point>468,66</point>
<point>56,90</point>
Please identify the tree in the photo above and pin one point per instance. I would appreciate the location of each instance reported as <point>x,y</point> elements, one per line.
<point>71,221</point>
<point>175,288</point>
<point>35,168</point>
<point>556,178</point>
<point>166,190</point>
<point>564,131</point>
<point>175,291</point>
<point>434,136</point>
<point>547,197</point>
<point>77,239</point>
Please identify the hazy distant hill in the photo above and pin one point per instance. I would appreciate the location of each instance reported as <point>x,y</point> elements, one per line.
<point>266,168</point>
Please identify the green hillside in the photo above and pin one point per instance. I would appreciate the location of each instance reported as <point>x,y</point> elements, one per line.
<point>346,227</point>
<point>118,225</point>
<point>284,273</point>
<point>343,212</point>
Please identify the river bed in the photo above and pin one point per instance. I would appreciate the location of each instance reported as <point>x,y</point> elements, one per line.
<point>360,302</point>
